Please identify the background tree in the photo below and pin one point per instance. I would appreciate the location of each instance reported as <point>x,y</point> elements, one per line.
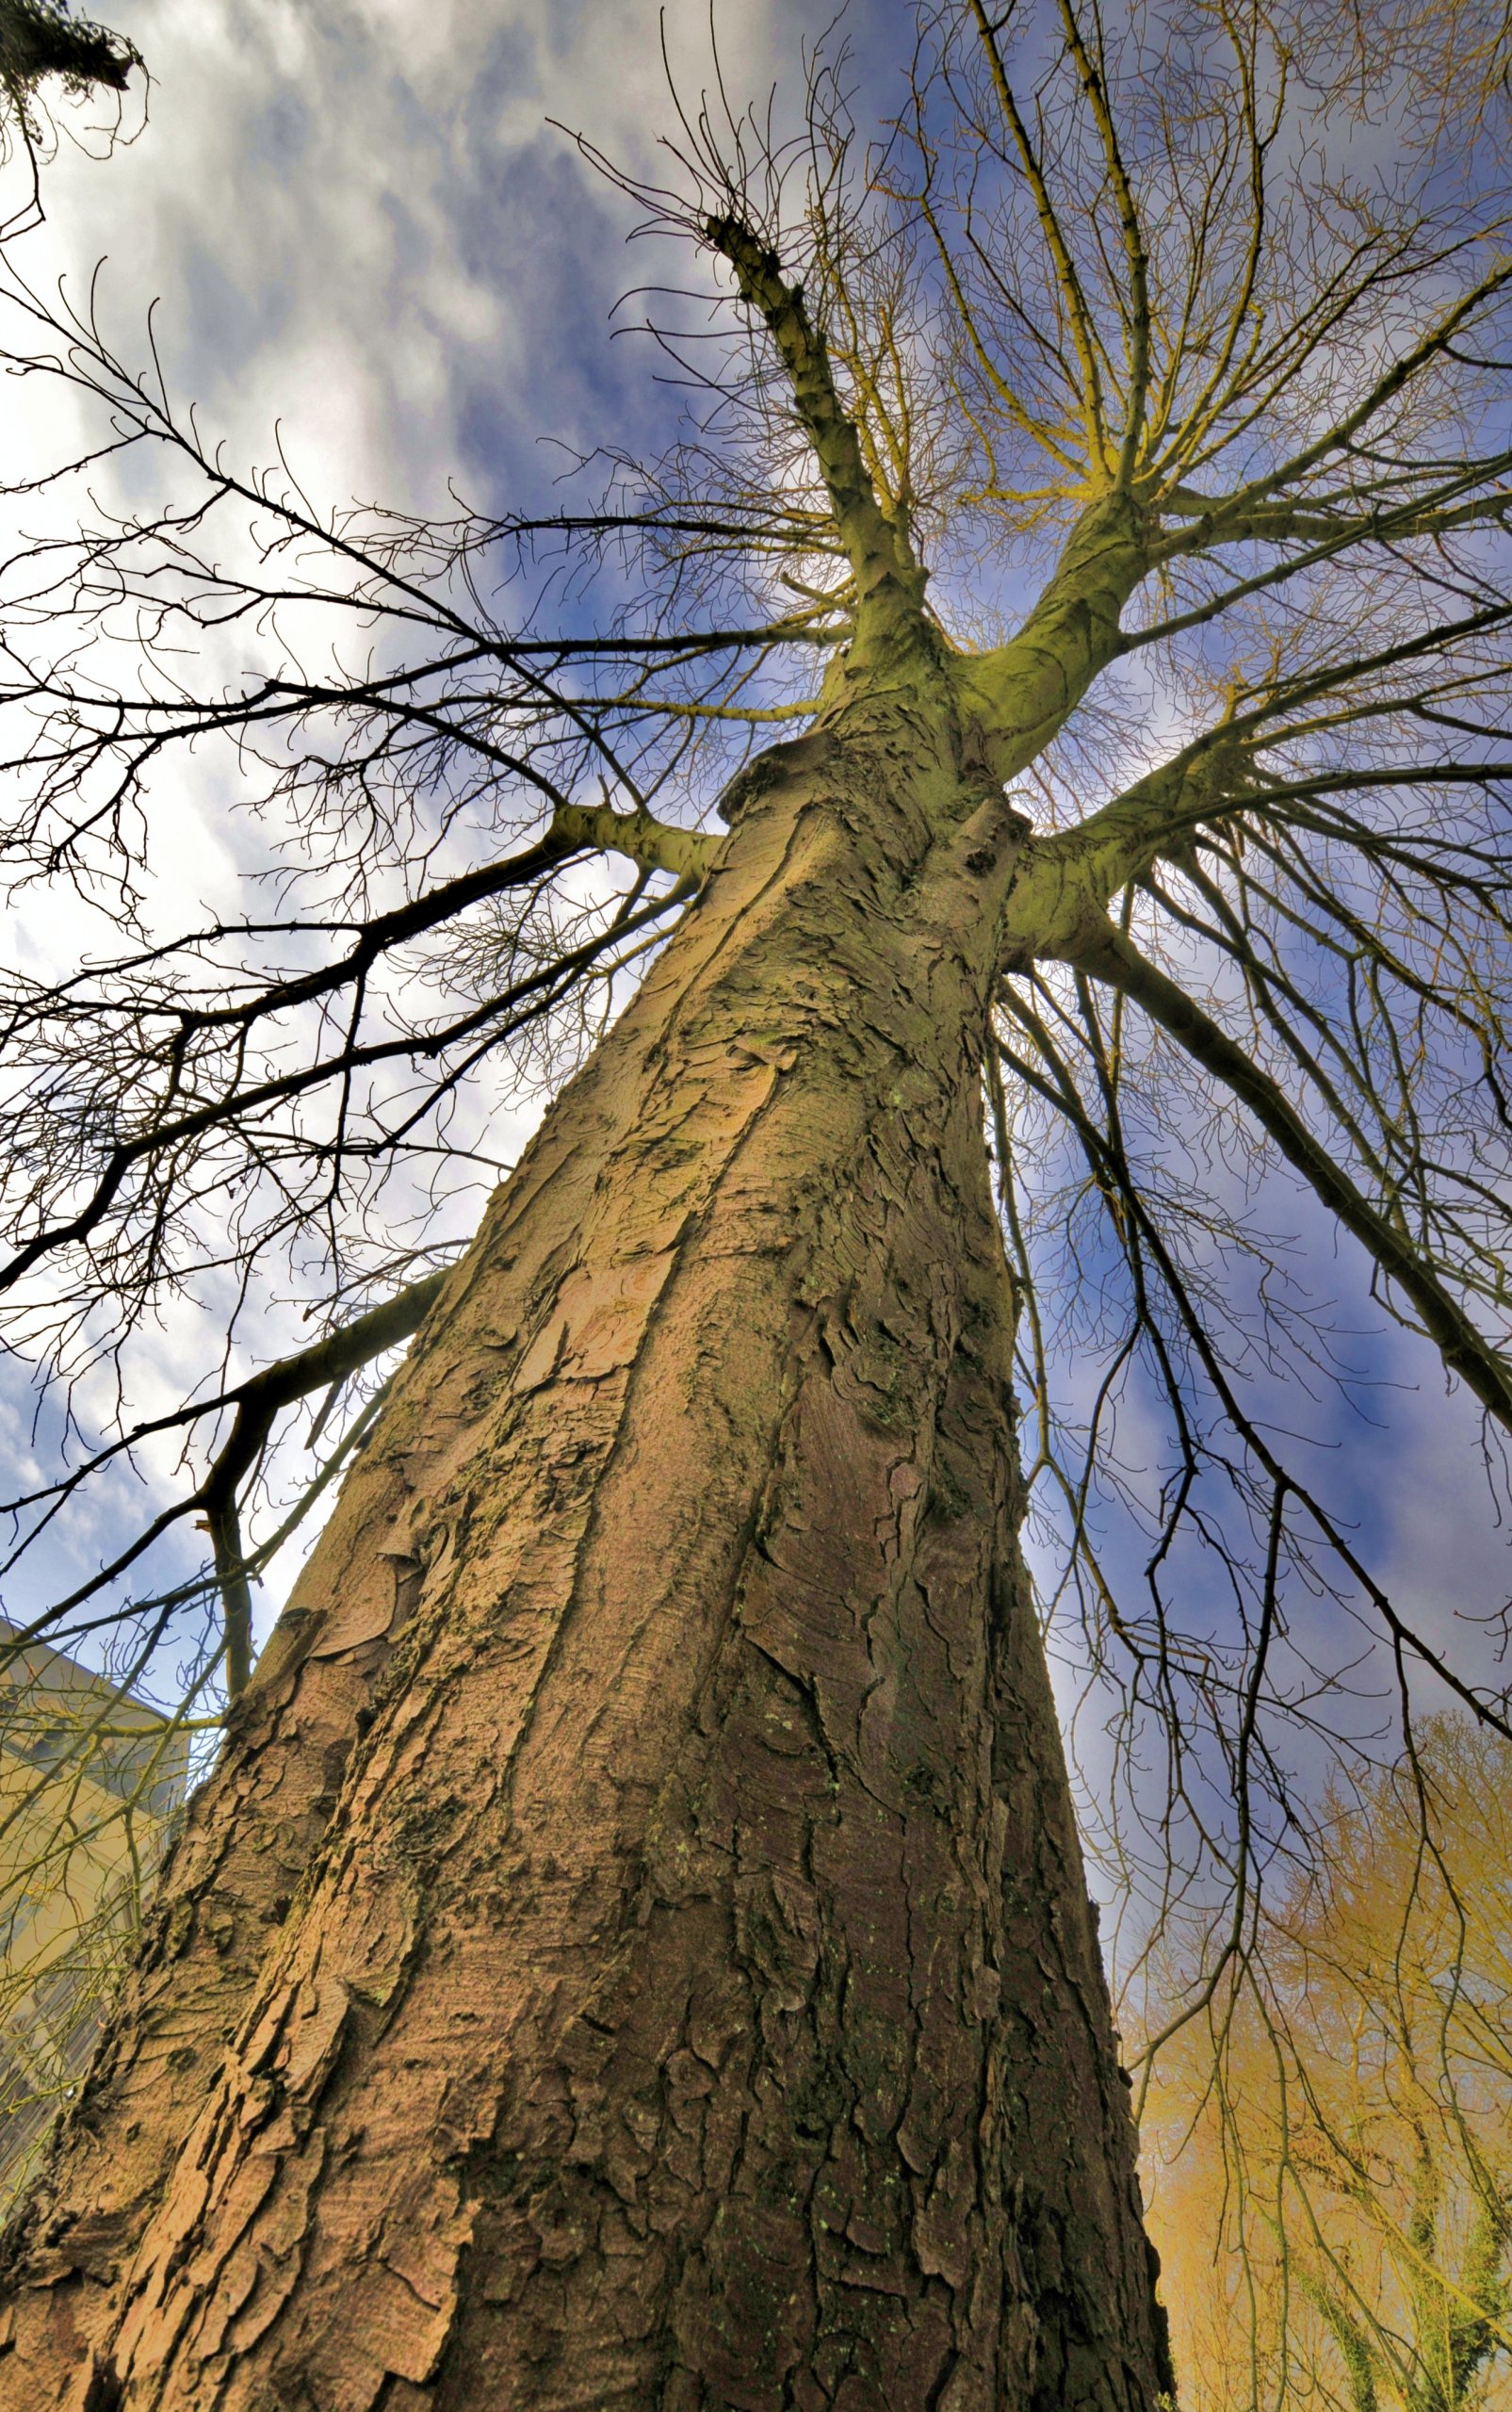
<point>634,1947</point>
<point>1334,2193</point>
<point>43,43</point>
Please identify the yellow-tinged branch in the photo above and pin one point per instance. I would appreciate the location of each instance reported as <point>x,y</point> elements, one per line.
<point>1074,300</point>
<point>1066,882</point>
<point>652,845</point>
<point>1136,312</point>
<point>1016,698</point>
<point>1383,390</point>
<point>1327,528</point>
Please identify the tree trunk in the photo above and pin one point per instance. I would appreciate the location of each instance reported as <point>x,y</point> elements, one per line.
<point>691,1999</point>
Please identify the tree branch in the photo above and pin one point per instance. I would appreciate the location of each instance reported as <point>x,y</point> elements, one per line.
<point>652,845</point>
<point>889,583</point>
<point>1114,958</point>
<point>259,1401</point>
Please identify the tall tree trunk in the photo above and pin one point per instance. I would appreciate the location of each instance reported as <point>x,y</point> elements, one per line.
<point>691,1999</point>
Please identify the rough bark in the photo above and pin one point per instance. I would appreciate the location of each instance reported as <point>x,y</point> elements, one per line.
<point>691,1999</point>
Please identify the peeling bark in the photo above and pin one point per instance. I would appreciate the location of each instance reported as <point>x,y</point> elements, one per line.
<point>659,1971</point>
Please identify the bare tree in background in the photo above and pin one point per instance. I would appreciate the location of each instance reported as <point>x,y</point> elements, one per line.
<point>633,1949</point>
<point>1334,2186</point>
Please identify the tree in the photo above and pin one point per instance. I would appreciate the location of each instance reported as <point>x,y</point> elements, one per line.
<point>1336,2194</point>
<point>87,1802</point>
<point>38,39</point>
<point>42,42</point>
<point>633,1947</point>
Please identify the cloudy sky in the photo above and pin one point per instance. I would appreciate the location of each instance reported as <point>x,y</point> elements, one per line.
<point>361,228</point>
<point>363,223</point>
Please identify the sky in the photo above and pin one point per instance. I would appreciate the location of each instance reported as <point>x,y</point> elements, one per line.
<point>366,240</point>
<point>363,223</point>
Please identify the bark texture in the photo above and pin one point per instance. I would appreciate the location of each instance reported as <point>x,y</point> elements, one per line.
<point>636,1953</point>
